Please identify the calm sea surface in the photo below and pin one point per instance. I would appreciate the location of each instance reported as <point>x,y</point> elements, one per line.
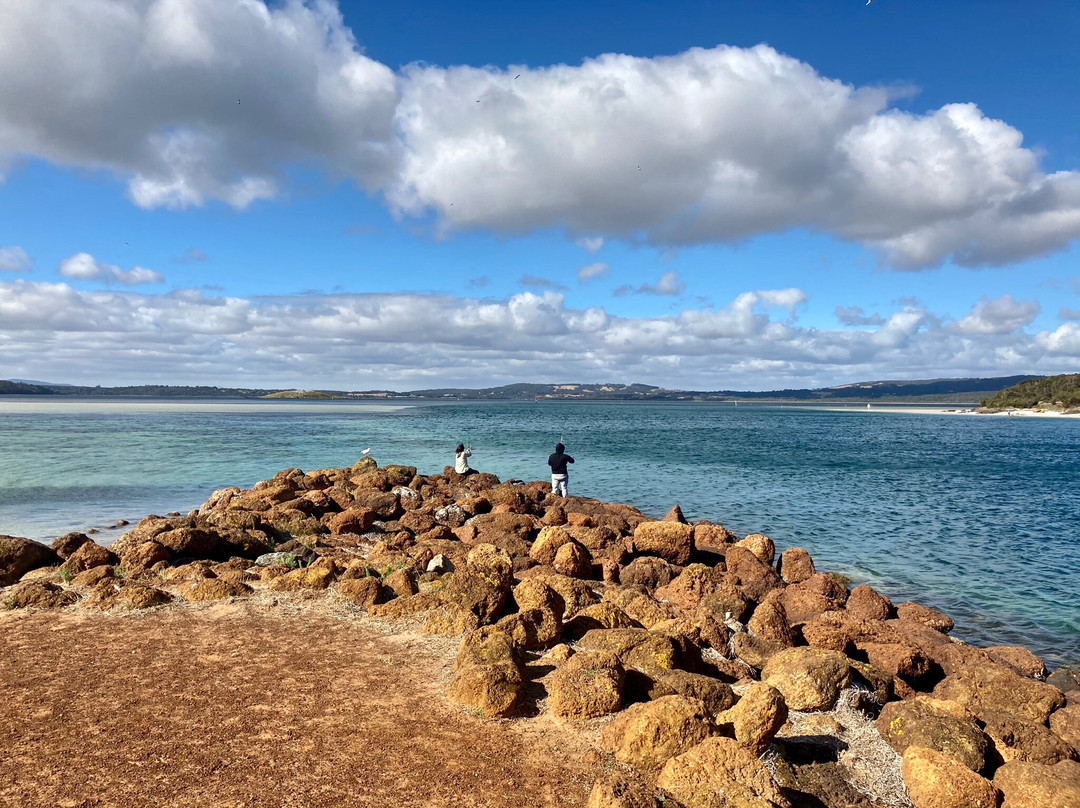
<point>977,516</point>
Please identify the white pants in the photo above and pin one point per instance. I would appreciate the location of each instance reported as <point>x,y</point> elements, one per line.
<point>558,484</point>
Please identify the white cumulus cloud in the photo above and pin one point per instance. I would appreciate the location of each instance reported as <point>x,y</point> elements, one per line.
<point>1001,315</point>
<point>84,266</point>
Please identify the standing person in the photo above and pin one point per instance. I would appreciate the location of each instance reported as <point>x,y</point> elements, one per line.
<point>558,462</point>
<point>461,461</point>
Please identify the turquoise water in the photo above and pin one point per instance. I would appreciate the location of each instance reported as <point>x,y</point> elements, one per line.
<point>976,516</point>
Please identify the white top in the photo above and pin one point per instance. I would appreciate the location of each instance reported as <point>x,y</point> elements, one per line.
<point>461,463</point>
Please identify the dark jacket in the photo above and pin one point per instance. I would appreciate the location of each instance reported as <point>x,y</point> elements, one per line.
<point>559,460</point>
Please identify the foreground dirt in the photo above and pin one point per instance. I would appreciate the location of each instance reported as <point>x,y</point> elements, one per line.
<point>258,704</point>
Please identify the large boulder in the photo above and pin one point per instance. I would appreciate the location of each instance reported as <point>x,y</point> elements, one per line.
<point>753,576</point>
<point>770,622</point>
<point>487,680</point>
<point>866,603</point>
<point>635,647</point>
<point>573,561</point>
<point>143,556</point>
<point>651,733</point>
<point>936,780</point>
<point>67,544</point>
<point>532,629</point>
<point>817,594</point>
<point>483,585</point>
<point>588,685</point>
<point>365,591</point>
<point>1036,785</point>
<point>18,556</point>
<point>760,545</point>
<point>989,688</point>
<point>598,616</point>
<point>932,618</point>
<point>721,773</point>
<point>943,726</point>
<point>648,571</point>
<point>1017,739</point>
<point>547,544</point>
<point>215,589</point>
<point>1065,723</point>
<point>1018,658</point>
<point>111,594</point>
<point>808,678</point>
<point>37,595</point>
<point>575,593</point>
<point>619,791</point>
<point>356,519</point>
<point>717,696</point>
<point>90,554</point>
<point>757,717</point>
<point>796,565</point>
<point>669,540</point>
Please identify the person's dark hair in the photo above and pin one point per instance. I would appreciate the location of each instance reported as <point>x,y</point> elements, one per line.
<point>460,448</point>
<point>559,447</point>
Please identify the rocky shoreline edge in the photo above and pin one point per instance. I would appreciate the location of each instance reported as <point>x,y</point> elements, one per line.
<point>717,671</point>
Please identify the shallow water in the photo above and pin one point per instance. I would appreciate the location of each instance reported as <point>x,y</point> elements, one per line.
<point>976,516</point>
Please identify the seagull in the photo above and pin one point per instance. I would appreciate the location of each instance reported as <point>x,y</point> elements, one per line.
<point>518,76</point>
<point>238,100</point>
<point>366,451</point>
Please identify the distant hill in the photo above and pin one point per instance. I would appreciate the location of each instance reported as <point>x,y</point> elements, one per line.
<point>1048,393</point>
<point>942,391</point>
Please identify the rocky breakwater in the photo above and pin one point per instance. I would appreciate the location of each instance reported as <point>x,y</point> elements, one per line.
<point>714,670</point>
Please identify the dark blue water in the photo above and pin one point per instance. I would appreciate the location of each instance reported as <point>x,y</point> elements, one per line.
<point>975,515</point>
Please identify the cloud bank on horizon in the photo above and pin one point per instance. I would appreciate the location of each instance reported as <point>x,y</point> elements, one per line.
<point>372,341</point>
<point>195,102</point>
<point>199,100</point>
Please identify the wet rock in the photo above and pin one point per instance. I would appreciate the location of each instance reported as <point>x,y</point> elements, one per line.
<point>866,603</point>
<point>65,545</point>
<point>932,618</point>
<point>757,717</point>
<point>90,554</point>
<point>935,780</point>
<point>672,541</point>
<point>37,595</point>
<point>945,727</point>
<point>796,565</point>
<point>363,591</point>
<point>808,678</point>
<point>1017,739</point>
<point>648,571</point>
<point>18,556</point>
<point>721,772</point>
<point>760,545</point>
<point>588,685</point>
<point>1035,785</point>
<point>649,734</point>
<point>989,688</point>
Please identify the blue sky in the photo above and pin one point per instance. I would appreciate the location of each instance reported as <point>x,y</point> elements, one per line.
<point>699,195</point>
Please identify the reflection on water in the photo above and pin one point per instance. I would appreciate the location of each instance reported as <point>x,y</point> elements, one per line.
<point>977,516</point>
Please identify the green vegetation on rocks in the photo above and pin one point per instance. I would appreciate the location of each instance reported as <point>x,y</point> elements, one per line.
<point>1050,393</point>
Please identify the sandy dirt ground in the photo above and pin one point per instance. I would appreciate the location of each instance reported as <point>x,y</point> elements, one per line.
<point>259,703</point>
